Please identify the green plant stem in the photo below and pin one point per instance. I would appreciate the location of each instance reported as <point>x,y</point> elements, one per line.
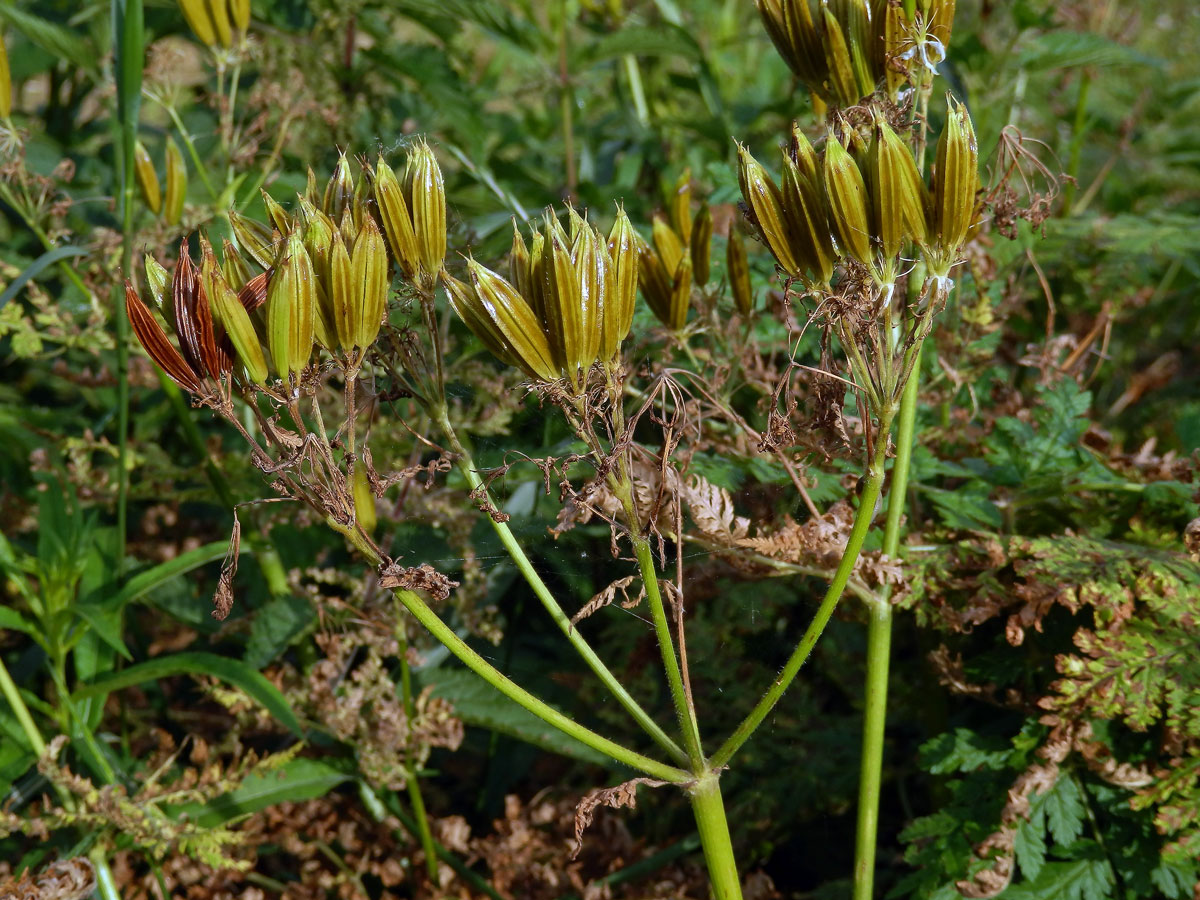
<point>858,533</point>
<point>466,465</point>
<point>9,688</point>
<point>666,645</point>
<point>390,803</point>
<point>191,149</point>
<point>539,708</point>
<point>1078,135</point>
<point>414,785</point>
<point>106,885</point>
<point>501,682</point>
<point>879,642</point>
<point>709,810</point>
<point>636,91</point>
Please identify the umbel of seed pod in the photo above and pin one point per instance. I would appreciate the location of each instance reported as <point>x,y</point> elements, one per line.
<point>793,222</point>
<point>955,183</point>
<point>837,49</point>
<point>917,33</point>
<point>291,308</point>
<point>203,362</point>
<point>413,213</point>
<point>568,306</point>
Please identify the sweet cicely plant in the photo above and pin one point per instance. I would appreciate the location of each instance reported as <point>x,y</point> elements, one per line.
<point>285,332</point>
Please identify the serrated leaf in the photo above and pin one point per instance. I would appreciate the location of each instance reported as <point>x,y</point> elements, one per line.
<point>1064,806</point>
<point>276,626</point>
<point>1030,844</point>
<point>1084,879</point>
<point>962,750</point>
<point>477,703</point>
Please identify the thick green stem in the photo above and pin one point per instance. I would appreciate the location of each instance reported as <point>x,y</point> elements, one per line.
<point>666,644</point>
<point>467,466</point>
<point>497,679</point>
<point>858,533</point>
<point>501,682</point>
<point>879,643</point>
<point>414,785</point>
<point>709,810</point>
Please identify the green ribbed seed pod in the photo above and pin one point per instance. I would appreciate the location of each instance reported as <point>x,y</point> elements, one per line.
<point>801,150</point>
<point>397,220</point>
<point>147,178</point>
<point>176,184</point>
<point>254,238</point>
<point>339,192</point>
<point>898,195</point>
<point>681,296</point>
<point>563,304</point>
<point>519,263</point>
<point>276,213</point>
<point>737,268</point>
<point>341,289</point>
<point>657,284</point>
<point>701,245</point>
<point>617,316</point>
<point>498,307</point>
<point>232,316</point>
<point>369,278</point>
<point>667,243</point>
<point>590,256</point>
<point>468,307</point>
<point>679,206</point>
<point>291,308</point>
<point>955,180</point>
<point>5,82</point>
<point>425,192</point>
<point>765,204</point>
<point>807,224</point>
<point>239,11</point>
<point>233,267</point>
<point>199,19</point>
<point>219,13</point>
<point>846,203</point>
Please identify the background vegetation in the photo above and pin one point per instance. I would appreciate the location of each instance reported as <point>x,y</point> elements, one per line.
<point>1043,738</point>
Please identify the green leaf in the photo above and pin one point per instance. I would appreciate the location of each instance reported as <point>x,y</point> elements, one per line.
<point>962,750</point>
<point>478,703</point>
<point>298,780</point>
<point>1030,843</point>
<point>14,621</point>
<point>1064,806</point>
<point>276,626</point>
<point>35,268</point>
<point>644,40</point>
<point>1065,49</point>
<point>1084,879</point>
<point>232,671</point>
<point>52,38</point>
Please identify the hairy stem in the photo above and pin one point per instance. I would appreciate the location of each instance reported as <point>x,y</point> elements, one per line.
<point>879,642</point>
<point>501,682</point>
<point>709,810</point>
<point>466,465</point>
<point>684,709</point>
<point>858,533</point>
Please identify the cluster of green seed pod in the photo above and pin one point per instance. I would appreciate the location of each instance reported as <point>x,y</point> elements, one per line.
<point>168,204</point>
<point>677,257</point>
<point>217,23</point>
<point>324,282</point>
<point>864,200</point>
<point>567,304</point>
<point>842,50</point>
